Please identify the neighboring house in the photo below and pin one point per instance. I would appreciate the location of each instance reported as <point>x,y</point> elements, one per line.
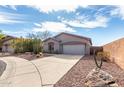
<point>6,44</point>
<point>67,44</point>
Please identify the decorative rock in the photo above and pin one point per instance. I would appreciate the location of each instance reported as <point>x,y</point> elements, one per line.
<point>99,78</point>
<point>39,55</point>
<point>27,53</point>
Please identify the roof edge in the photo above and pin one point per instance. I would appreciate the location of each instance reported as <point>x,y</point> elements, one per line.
<point>89,39</point>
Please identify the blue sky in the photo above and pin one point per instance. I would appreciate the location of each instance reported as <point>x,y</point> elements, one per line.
<point>102,23</point>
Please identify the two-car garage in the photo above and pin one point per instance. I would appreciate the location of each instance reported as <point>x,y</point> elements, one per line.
<point>66,43</point>
<point>78,49</point>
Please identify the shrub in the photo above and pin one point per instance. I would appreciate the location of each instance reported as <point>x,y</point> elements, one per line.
<point>37,48</point>
<point>22,45</point>
<point>105,56</point>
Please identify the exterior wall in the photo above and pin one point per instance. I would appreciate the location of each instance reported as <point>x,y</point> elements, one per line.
<point>116,50</point>
<point>9,49</point>
<point>87,51</point>
<point>66,38</point>
<point>56,46</point>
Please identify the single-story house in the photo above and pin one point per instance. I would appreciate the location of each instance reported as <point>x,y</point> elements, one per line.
<point>63,43</point>
<point>6,44</point>
<point>67,43</point>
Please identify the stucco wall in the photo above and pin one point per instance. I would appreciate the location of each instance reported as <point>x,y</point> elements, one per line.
<point>10,49</point>
<point>87,49</point>
<point>116,50</point>
<point>67,38</point>
<point>56,45</point>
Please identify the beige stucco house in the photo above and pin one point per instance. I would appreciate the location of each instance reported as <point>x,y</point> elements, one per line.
<point>67,43</point>
<point>6,44</point>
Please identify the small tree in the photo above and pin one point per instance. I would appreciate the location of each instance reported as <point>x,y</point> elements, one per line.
<point>31,35</point>
<point>17,44</point>
<point>1,36</point>
<point>39,35</point>
<point>43,35</point>
<point>37,39</point>
<point>37,46</point>
<point>105,56</point>
<point>100,57</point>
<point>22,45</point>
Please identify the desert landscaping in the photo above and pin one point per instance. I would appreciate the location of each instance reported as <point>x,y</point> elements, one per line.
<point>61,46</point>
<point>71,70</point>
<point>77,75</point>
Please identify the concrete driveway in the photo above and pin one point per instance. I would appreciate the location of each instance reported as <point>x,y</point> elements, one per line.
<point>40,72</point>
<point>19,72</point>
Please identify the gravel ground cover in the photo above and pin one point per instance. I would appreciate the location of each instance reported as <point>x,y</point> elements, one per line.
<point>77,75</point>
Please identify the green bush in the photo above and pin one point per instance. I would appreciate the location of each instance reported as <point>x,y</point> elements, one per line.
<point>105,56</point>
<point>22,45</point>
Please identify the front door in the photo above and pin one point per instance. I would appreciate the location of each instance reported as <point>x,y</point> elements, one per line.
<point>51,47</point>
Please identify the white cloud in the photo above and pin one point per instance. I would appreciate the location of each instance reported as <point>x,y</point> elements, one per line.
<point>69,25</point>
<point>13,7</point>
<point>100,21</point>
<point>77,14</point>
<point>82,17</point>
<point>7,18</point>
<point>59,17</point>
<point>18,33</point>
<point>56,5</point>
<point>54,27</point>
<point>36,24</point>
<point>118,11</point>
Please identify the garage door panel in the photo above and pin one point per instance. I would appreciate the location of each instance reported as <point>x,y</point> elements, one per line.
<point>74,49</point>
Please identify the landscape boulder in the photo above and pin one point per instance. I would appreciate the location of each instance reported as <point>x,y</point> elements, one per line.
<point>100,78</point>
<point>39,55</point>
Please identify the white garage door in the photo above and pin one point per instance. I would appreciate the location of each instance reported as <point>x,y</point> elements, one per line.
<point>74,49</point>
